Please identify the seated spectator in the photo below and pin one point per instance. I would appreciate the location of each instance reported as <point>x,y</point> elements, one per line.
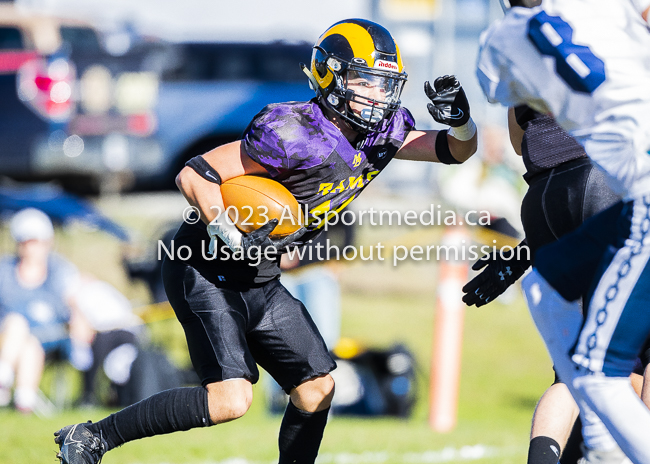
<point>38,314</point>
<point>116,344</point>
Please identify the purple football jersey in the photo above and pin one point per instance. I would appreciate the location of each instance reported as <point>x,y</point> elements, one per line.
<point>303,150</point>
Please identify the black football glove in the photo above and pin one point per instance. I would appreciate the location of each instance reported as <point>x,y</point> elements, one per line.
<point>260,241</point>
<point>449,104</point>
<point>496,277</point>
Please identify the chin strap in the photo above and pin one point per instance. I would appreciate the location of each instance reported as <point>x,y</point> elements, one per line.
<point>312,80</point>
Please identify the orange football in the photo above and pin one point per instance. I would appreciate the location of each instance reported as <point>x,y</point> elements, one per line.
<point>252,201</point>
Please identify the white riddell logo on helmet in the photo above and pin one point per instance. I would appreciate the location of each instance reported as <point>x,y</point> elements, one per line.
<point>386,65</point>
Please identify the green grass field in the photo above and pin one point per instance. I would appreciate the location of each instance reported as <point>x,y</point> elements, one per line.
<point>504,371</point>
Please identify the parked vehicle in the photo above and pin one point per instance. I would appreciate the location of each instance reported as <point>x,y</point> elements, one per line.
<point>211,92</point>
<point>35,87</point>
<point>92,121</point>
<point>58,120</point>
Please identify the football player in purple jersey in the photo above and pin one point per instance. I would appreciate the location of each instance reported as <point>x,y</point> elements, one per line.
<point>235,312</point>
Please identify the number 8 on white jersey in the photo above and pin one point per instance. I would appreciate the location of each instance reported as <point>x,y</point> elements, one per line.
<point>587,62</point>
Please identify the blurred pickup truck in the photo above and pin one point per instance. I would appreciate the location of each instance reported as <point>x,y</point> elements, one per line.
<point>56,121</point>
<point>96,121</point>
<point>211,92</point>
<point>35,88</point>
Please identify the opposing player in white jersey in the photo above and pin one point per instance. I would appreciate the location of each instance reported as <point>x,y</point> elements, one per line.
<point>587,62</point>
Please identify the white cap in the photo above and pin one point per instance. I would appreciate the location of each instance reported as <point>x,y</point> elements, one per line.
<point>31,224</point>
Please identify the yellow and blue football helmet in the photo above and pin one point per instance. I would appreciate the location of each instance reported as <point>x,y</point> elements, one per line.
<point>357,49</point>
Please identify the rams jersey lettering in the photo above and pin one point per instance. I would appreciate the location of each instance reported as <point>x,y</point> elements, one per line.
<point>587,62</point>
<point>303,150</point>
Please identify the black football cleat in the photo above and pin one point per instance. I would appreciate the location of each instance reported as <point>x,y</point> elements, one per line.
<point>79,445</point>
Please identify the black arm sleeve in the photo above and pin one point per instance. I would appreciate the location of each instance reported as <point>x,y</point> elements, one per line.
<point>203,169</point>
<point>442,149</point>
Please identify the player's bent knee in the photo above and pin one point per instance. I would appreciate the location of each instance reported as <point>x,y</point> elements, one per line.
<point>325,388</point>
<point>239,406</point>
<point>229,400</point>
<point>314,394</point>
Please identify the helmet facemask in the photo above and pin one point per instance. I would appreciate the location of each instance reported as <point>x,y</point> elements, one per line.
<point>356,71</point>
<point>364,97</point>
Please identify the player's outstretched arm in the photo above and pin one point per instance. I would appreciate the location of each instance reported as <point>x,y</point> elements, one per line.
<point>448,106</point>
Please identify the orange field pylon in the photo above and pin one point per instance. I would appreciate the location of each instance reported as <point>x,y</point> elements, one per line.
<point>448,334</point>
